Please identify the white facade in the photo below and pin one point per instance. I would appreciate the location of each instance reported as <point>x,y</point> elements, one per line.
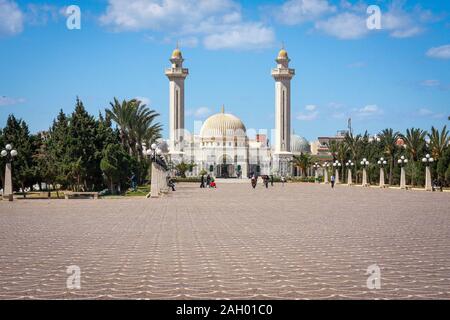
<point>223,147</point>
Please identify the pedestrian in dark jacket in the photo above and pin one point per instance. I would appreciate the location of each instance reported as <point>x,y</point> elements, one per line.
<point>202,181</point>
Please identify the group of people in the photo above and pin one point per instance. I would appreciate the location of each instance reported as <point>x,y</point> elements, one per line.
<point>266,179</point>
<point>209,182</point>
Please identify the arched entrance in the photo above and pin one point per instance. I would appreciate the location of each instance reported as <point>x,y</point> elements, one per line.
<point>225,167</point>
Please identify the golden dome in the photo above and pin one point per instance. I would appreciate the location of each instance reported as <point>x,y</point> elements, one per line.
<point>282,54</point>
<point>176,54</point>
<point>223,124</point>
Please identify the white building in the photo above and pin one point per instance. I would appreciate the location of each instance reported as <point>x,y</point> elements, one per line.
<point>223,147</point>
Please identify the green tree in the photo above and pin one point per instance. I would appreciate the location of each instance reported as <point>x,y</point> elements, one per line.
<point>136,124</point>
<point>439,140</point>
<point>82,149</point>
<point>415,143</point>
<point>17,134</point>
<point>303,161</point>
<point>389,140</point>
<point>184,167</point>
<point>116,164</point>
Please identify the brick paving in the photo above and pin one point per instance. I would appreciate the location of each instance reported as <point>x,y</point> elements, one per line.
<point>301,241</point>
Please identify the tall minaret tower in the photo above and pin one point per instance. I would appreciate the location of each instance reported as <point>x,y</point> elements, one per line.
<point>283,76</point>
<point>176,74</point>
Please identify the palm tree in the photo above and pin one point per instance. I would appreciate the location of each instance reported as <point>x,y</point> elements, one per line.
<point>414,142</point>
<point>354,145</point>
<point>136,124</point>
<point>121,114</point>
<point>333,147</point>
<point>438,141</point>
<point>303,161</point>
<point>342,153</point>
<point>389,139</point>
<point>143,128</point>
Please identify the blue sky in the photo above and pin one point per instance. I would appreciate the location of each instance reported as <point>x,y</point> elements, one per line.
<point>396,77</point>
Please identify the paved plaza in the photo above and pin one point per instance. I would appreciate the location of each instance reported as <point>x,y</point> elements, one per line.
<point>300,241</point>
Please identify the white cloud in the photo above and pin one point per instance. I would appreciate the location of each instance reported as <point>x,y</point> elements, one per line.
<point>242,36</point>
<point>350,21</point>
<point>11,18</point>
<point>344,26</point>
<point>218,24</point>
<point>431,83</point>
<point>9,101</point>
<point>307,116</point>
<point>294,12</point>
<point>435,84</point>
<point>310,114</point>
<point>424,112</point>
<point>41,14</point>
<point>126,15</point>
<point>368,111</point>
<point>400,23</point>
<point>442,52</point>
<point>201,112</point>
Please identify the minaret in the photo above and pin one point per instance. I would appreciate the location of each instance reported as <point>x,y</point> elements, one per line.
<point>176,74</point>
<point>283,76</point>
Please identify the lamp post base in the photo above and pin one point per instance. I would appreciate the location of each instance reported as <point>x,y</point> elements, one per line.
<point>8,197</point>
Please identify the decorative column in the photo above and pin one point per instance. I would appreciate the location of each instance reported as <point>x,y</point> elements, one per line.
<point>325,172</point>
<point>283,76</point>
<point>316,172</point>
<point>337,165</point>
<point>9,153</point>
<point>177,75</point>
<point>364,163</point>
<point>402,162</point>
<point>382,163</point>
<point>159,167</point>
<point>349,166</point>
<point>428,160</point>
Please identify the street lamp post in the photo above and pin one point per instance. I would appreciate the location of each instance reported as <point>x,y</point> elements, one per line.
<point>157,179</point>
<point>365,163</point>
<point>382,163</point>
<point>325,172</point>
<point>427,161</point>
<point>337,165</point>
<point>349,166</point>
<point>316,167</point>
<point>402,162</point>
<point>9,153</point>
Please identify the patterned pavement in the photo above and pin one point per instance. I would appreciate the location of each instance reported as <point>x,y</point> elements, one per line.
<point>300,241</point>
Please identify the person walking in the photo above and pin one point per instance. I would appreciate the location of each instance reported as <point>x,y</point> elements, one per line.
<point>202,181</point>
<point>266,181</point>
<point>271,180</point>
<point>208,181</point>
<point>332,181</point>
<point>254,180</point>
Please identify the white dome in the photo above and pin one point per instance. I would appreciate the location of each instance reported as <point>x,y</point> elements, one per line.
<point>299,144</point>
<point>222,124</point>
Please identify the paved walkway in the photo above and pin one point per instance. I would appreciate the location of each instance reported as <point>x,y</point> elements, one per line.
<point>301,241</point>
